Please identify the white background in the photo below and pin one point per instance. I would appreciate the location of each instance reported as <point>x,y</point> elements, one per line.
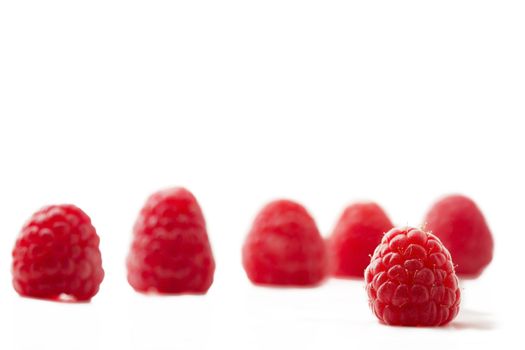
<point>324,102</point>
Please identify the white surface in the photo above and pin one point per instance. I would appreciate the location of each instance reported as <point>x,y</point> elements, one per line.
<point>325,102</point>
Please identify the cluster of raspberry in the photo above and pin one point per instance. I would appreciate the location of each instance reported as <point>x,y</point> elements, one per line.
<point>410,273</point>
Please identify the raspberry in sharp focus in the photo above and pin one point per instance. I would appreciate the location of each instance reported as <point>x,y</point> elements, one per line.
<point>411,280</point>
<point>284,247</point>
<point>170,252</point>
<point>460,225</point>
<point>357,233</point>
<point>57,253</point>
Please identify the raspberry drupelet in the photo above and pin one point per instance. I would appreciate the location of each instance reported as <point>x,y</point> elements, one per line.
<point>411,280</point>
<point>57,254</point>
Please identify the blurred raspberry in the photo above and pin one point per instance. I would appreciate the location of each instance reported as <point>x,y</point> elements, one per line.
<point>284,247</point>
<point>357,233</point>
<point>460,225</point>
<point>411,280</point>
<point>170,253</point>
<point>57,253</point>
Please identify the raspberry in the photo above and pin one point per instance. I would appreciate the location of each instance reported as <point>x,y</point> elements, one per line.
<point>357,233</point>
<point>411,280</point>
<point>57,254</point>
<point>170,252</point>
<point>460,225</point>
<point>284,247</point>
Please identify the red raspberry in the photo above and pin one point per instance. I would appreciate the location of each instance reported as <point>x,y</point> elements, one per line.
<point>357,233</point>
<point>57,254</point>
<point>411,280</point>
<point>170,253</point>
<point>460,225</point>
<point>284,247</point>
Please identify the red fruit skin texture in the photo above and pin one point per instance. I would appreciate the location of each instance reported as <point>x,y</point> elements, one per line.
<point>284,247</point>
<point>57,254</point>
<point>411,280</point>
<point>462,228</point>
<point>357,233</point>
<point>171,252</point>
